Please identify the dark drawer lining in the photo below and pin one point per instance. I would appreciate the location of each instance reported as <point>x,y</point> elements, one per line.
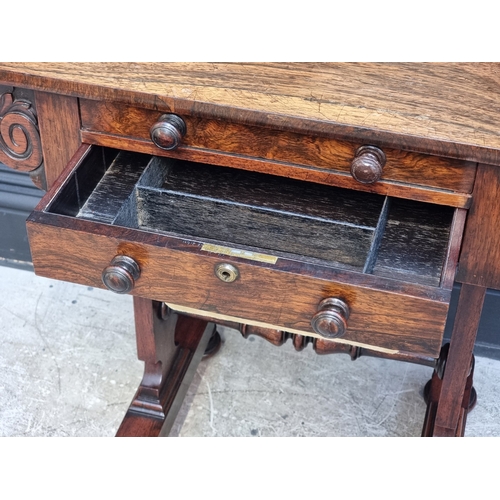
<point>115,201</point>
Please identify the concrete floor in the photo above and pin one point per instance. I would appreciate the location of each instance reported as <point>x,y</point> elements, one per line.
<point>68,367</point>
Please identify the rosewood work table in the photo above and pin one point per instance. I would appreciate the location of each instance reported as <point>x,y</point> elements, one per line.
<point>326,204</point>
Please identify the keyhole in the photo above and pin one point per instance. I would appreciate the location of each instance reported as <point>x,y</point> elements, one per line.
<point>226,272</point>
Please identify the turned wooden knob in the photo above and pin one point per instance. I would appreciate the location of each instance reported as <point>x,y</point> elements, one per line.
<point>331,319</point>
<point>368,164</point>
<point>168,131</point>
<point>121,274</point>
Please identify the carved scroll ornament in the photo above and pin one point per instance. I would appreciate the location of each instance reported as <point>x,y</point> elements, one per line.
<point>20,144</point>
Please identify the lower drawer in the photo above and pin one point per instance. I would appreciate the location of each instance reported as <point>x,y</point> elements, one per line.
<point>352,267</point>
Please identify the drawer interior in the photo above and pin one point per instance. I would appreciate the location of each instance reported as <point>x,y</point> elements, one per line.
<point>364,232</point>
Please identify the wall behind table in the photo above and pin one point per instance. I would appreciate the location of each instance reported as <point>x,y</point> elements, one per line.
<point>18,197</point>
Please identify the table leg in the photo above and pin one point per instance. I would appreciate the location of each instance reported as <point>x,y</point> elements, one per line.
<point>451,392</point>
<point>171,346</point>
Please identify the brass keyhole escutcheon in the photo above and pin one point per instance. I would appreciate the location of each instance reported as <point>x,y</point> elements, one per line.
<point>226,272</point>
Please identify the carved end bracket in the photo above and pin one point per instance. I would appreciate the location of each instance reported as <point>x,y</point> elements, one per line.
<point>20,143</point>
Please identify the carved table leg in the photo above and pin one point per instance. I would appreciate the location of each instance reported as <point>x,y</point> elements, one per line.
<point>213,346</point>
<point>171,346</point>
<point>450,392</point>
<point>432,392</point>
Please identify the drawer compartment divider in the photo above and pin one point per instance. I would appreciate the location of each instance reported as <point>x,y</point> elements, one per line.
<point>377,238</point>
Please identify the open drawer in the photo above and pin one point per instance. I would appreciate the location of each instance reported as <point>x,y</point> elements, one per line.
<point>317,260</point>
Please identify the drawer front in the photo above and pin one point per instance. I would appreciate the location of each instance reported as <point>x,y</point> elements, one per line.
<point>386,311</point>
<point>283,298</point>
<point>314,158</point>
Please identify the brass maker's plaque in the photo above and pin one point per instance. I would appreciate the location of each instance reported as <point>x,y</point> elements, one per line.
<point>243,254</point>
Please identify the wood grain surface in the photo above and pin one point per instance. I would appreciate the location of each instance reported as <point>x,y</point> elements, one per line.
<point>450,109</point>
<point>171,347</point>
<point>20,144</point>
<point>178,271</point>
<point>480,257</point>
<point>127,123</point>
<point>291,170</point>
<point>59,122</point>
<point>457,368</point>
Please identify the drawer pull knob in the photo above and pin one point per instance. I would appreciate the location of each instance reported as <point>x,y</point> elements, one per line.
<point>368,164</point>
<point>121,274</point>
<point>168,131</point>
<point>331,319</point>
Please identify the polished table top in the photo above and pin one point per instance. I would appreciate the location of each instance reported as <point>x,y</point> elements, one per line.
<point>448,109</point>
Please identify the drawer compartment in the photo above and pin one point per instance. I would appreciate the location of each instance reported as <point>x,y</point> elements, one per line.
<point>293,244</point>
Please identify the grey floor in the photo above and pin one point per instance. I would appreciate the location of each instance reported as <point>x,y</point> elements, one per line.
<point>68,367</point>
